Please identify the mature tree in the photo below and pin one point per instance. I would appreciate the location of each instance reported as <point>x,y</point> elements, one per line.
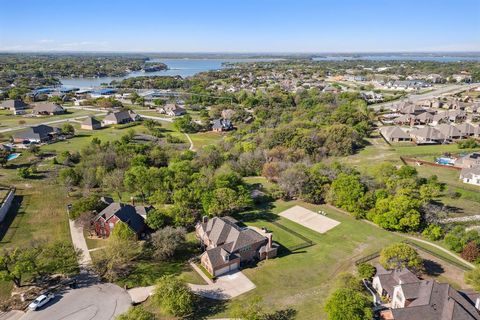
<point>173,296</point>
<point>156,219</point>
<point>345,303</point>
<point>86,205</point>
<point>69,177</point>
<point>167,241</point>
<point>113,181</point>
<point>58,257</point>
<point>16,263</point>
<point>293,180</point>
<point>346,191</point>
<point>398,212</point>
<point>470,252</point>
<point>136,313</point>
<point>366,271</point>
<point>68,129</point>
<point>433,232</point>
<point>121,250</point>
<point>4,157</point>
<point>400,255</point>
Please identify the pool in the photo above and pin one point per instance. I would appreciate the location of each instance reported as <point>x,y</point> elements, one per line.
<point>445,161</point>
<point>13,156</point>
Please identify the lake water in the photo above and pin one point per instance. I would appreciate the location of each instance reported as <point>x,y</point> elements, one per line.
<point>436,58</point>
<point>177,67</point>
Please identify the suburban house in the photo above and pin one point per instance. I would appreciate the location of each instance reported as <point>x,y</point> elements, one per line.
<point>471,175</point>
<point>395,134</point>
<point>385,281</point>
<point>134,216</point>
<point>427,135</point>
<point>48,108</point>
<point>450,132</point>
<point>469,161</point>
<point>221,124</point>
<point>90,123</point>
<point>227,245</point>
<point>38,134</point>
<point>466,129</point>
<point>172,109</point>
<point>120,117</point>
<point>17,106</point>
<point>415,299</point>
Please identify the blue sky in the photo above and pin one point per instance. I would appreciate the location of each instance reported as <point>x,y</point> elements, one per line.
<point>240,25</point>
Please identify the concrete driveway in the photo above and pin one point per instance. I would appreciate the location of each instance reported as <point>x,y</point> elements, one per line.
<point>226,287</point>
<point>102,301</point>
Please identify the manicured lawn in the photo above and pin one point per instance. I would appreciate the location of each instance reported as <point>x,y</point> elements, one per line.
<point>411,150</point>
<point>202,139</point>
<point>302,280</point>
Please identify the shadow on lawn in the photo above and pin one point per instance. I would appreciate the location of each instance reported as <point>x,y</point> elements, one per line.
<point>433,268</point>
<point>12,213</point>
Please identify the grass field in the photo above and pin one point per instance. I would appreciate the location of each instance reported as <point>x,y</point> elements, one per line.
<point>302,279</point>
<point>8,120</point>
<point>38,213</point>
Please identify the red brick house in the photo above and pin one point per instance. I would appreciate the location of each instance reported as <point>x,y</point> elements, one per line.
<point>227,245</point>
<point>133,216</point>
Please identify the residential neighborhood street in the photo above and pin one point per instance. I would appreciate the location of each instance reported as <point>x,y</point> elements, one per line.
<point>94,302</point>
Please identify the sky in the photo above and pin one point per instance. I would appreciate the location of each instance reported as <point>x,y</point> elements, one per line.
<point>240,25</point>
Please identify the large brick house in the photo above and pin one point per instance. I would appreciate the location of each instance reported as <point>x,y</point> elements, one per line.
<point>415,299</point>
<point>134,216</point>
<point>227,245</point>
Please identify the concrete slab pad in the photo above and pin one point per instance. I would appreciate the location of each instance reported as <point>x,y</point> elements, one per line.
<point>310,219</point>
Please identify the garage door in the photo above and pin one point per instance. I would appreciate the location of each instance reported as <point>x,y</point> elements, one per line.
<point>221,271</point>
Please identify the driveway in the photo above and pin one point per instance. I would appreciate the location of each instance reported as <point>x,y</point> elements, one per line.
<point>226,287</point>
<point>102,301</point>
<point>78,240</point>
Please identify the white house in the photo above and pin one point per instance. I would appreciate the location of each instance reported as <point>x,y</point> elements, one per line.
<point>471,175</point>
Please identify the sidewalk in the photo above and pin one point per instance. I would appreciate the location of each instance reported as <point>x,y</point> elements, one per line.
<point>79,242</point>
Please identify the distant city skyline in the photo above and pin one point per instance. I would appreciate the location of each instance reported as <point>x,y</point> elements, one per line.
<point>246,26</point>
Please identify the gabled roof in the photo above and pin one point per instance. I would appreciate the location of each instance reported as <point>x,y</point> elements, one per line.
<point>121,116</point>
<point>91,121</point>
<point>226,234</point>
<point>126,213</point>
<point>40,132</point>
<point>48,107</point>
<point>469,173</point>
<point>434,301</point>
<point>394,132</point>
<point>428,133</point>
<point>449,131</point>
<point>466,128</point>
<point>391,278</point>
<point>13,104</point>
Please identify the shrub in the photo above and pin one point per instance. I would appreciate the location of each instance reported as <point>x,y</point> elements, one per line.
<point>366,270</point>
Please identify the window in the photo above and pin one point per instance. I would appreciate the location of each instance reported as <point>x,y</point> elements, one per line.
<point>111,225</point>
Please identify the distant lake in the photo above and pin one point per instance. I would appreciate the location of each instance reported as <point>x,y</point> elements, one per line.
<point>373,57</point>
<point>176,67</point>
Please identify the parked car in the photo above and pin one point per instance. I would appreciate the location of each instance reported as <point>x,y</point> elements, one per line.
<point>41,301</point>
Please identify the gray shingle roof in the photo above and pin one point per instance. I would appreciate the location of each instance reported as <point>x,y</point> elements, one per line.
<point>40,132</point>
<point>126,213</point>
<point>435,301</point>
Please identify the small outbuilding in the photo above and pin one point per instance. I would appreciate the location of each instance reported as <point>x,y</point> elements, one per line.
<point>90,123</point>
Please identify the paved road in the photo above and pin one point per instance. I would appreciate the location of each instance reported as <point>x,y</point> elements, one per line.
<point>450,89</point>
<point>94,302</point>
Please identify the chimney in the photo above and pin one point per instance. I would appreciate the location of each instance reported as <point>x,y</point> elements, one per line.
<point>269,237</point>
<point>132,199</point>
<point>204,219</point>
<point>477,303</point>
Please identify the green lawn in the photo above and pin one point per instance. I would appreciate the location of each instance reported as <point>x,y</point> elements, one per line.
<point>302,280</point>
<point>41,214</point>
<point>8,120</point>
<point>202,139</point>
<point>428,151</point>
